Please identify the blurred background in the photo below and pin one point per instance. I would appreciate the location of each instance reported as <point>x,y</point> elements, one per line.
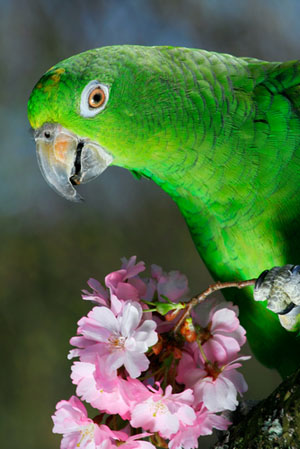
<point>50,247</point>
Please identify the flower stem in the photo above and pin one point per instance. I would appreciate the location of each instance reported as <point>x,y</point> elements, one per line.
<point>202,352</point>
<point>202,296</point>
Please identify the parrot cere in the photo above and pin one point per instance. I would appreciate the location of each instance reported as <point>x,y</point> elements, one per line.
<point>220,134</point>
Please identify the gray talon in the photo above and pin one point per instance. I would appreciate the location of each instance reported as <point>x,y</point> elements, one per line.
<point>295,269</point>
<point>287,309</point>
<point>260,279</point>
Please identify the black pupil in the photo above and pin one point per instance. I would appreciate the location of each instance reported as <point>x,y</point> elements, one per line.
<point>47,134</point>
<point>97,98</point>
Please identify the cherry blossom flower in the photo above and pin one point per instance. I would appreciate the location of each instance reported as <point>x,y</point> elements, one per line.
<point>134,392</point>
<point>99,294</point>
<point>132,268</point>
<point>187,436</point>
<point>103,297</point>
<point>79,431</point>
<point>173,285</point>
<point>124,283</point>
<point>134,442</point>
<point>203,314</point>
<point>99,389</point>
<point>86,348</point>
<point>214,385</point>
<point>164,413</point>
<point>108,393</point>
<point>112,344</point>
<point>220,333</point>
<point>118,340</point>
<point>222,337</point>
<point>218,390</point>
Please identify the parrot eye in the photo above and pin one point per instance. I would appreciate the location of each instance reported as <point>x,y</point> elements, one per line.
<point>96,98</point>
<point>93,99</point>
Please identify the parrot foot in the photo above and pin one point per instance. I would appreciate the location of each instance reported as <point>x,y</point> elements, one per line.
<point>280,286</point>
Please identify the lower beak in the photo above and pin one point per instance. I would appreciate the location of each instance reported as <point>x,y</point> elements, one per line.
<point>67,160</point>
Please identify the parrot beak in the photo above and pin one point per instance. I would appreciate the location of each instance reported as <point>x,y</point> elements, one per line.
<point>67,160</point>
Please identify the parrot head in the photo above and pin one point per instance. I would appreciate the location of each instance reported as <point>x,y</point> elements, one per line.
<point>111,105</point>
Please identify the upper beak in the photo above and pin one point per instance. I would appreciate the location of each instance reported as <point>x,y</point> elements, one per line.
<point>67,160</point>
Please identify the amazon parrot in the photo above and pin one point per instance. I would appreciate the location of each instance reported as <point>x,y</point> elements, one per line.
<point>220,134</point>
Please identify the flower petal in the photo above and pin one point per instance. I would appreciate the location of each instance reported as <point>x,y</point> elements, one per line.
<point>105,318</point>
<point>224,320</point>
<point>132,314</point>
<point>135,363</point>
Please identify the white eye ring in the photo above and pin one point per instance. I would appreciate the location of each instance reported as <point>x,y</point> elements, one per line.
<point>85,109</point>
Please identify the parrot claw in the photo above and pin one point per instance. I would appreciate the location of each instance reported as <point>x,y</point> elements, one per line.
<point>287,309</point>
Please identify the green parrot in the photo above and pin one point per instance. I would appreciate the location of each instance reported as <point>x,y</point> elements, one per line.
<point>220,134</point>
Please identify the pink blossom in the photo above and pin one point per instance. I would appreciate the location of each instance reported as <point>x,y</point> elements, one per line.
<point>187,436</point>
<point>102,391</point>
<point>214,385</point>
<point>118,340</point>
<point>79,431</point>
<point>221,334</point>
<point>221,337</point>
<point>133,392</point>
<point>132,268</point>
<point>186,364</point>
<point>134,442</point>
<point>164,413</point>
<point>118,333</point>
<point>107,392</point>
<point>85,348</point>
<point>98,295</point>
<point>173,285</point>
<point>124,283</point>
<point>203,314</point>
